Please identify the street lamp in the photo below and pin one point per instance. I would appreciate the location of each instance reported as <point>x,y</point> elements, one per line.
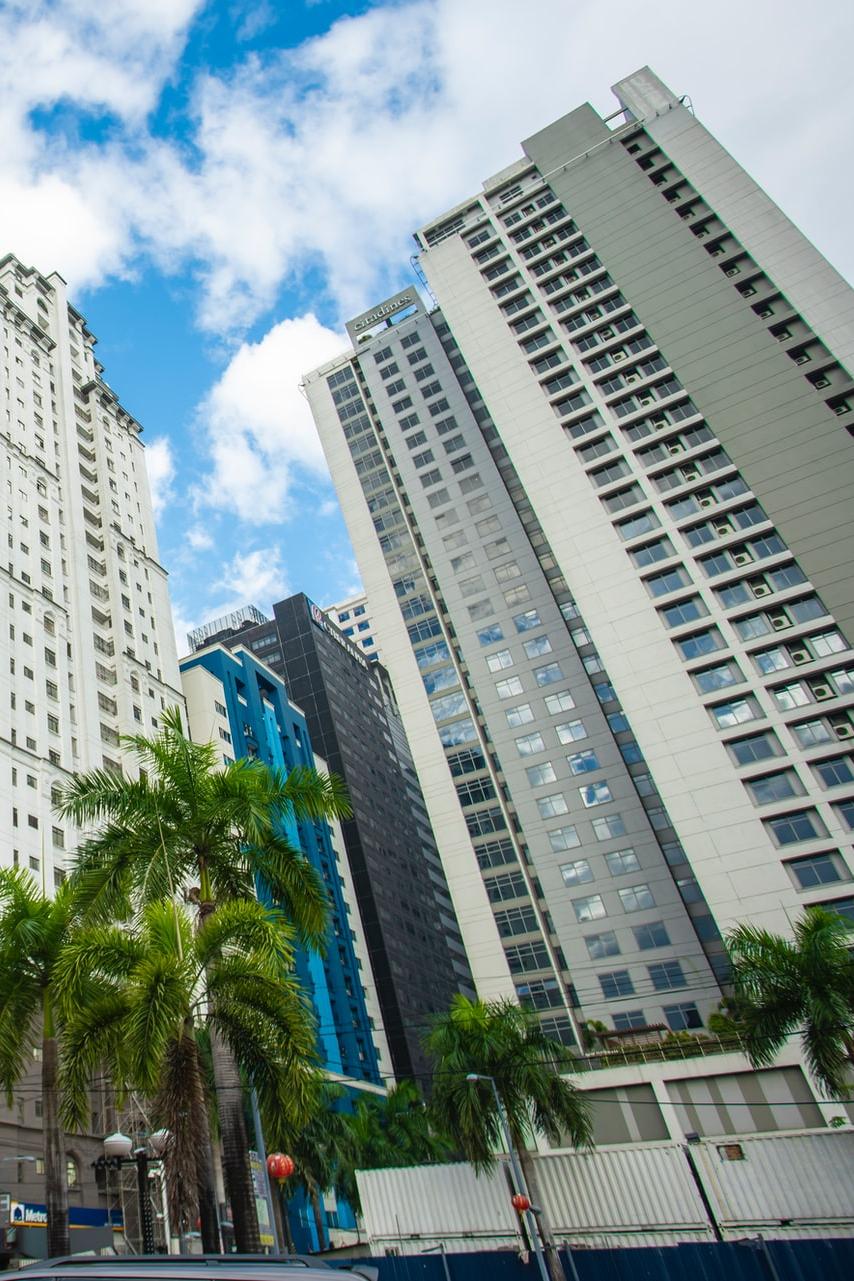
<point>118,1151</point>
<point>521,1197</point>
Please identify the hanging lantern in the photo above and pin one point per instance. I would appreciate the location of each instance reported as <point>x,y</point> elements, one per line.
<point>279,1166</point>
<point>520,1202</point>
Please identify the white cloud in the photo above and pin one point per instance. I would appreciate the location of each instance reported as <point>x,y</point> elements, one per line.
<point>161,472</point>
<point>199,539</point>
<point>256,422</point>
<point>253,578</point>
<point>329,154</point>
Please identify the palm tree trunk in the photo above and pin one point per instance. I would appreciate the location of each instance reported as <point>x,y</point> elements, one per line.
<point>317,1211</point>
<point>201,1129</point>
<point>553,1262</point>
<point>55,1177</point>
<point>239,1185</point>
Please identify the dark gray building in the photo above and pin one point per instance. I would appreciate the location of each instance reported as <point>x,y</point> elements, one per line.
<point>411,930</point>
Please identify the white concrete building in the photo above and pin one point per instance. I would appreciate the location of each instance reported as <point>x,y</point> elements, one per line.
<point>600,499</point>
<point>353,616</point>
<point>89,652</point>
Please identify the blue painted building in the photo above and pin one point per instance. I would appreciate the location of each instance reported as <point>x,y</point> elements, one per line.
<point>237,702</point>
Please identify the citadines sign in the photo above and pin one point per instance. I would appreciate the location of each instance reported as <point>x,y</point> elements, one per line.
<point>367,320</point>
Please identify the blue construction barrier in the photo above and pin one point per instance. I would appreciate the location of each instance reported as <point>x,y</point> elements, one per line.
<point>748,1260</point>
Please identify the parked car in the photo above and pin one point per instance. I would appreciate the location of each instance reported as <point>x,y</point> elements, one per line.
<point>198,1267</point>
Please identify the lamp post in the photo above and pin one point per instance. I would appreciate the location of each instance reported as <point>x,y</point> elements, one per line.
<point>521,1199</point>
<point>118,1151</point>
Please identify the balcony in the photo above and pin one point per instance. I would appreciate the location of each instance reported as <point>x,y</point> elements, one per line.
<point>654,1045</point>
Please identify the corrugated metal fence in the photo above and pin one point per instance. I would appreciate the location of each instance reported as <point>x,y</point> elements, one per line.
<point>781,1185</point>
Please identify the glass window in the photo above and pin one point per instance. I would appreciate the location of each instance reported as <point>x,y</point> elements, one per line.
<point>500,659</point>
<point>651,935</point>
<point>509,688</point>
<point>570,731</point>
<point>759,747</point>
<point>595,794</point>
<point>684,611</point>
<point>736,712</point>
<point>561,702</point>
<point>450,705</point>
<point>591,908</point>
<point>825,643</point>
<point>529,744</point>
<point>681,1018</point>
<point>549,674</point>
<point>523,714</point>
<point>666,975</point>
<point>817,869</point>
<point>622,861</point>
<point>636,898</point>
<point>611,825</point>
<point>549,806</point>
<point>700,643</point>
<point>537,645</point>
<point>576,873</point>
<point>669,581</point>
<point>440,678</point>
<point>616,984</point>
<point>775,787</point>
<point>628,1020</point>
<point>720,677</point>
<point>540,774</point>
<point>601,945</point>
<point>812,733</point>
<point>834,770</point>
<point>845,810</point>
<point>799,825</point>
<point>525,622</point>
<point>583,762</point>
<point>461,731</point>
<point>490,634</point>
<point>788,696</point>
<point>564,838</point>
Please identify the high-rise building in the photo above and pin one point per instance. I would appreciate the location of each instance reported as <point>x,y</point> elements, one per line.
<point>600,501</point>
<point>238,703</point>
<point>412,936</point>
<point>353,616</point>
<point>88,648</point>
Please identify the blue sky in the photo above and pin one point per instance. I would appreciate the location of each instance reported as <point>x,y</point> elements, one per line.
<point>224,182</point>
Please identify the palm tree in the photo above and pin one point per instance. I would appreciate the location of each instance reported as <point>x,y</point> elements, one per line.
<point>138,998</point>
<point>33,930</point>
<point>314,1145</point>
<point>804,984</point>
<point>501,1040</point>
<point>217,834</point>
<point>395,1129</point>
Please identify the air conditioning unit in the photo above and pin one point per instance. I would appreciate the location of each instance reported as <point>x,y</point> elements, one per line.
<point>742,558</point>
<point>631,378</point>
<point>690,473</point>
<point>844,731</point>
<point>732,271</point>
<point>707,501</point>
<point>619,354</point>
<point>821,691</point>
<point>607,332</point>
<point>800,655</point>
<point>723,529</point>
<point>822,382</point>
<point>644,400</point>
<point>802,358</point>
<point>779,621</point>
<point>676,447</point>
<point>761,589</point>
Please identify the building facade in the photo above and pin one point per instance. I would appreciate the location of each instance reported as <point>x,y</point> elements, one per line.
<point>416,954</point>
<point>241,705</point>
<point>600,501</point>
<point>88,649</point>
<point>353,617</point>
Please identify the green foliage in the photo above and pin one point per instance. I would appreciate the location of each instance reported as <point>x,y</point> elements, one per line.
<point>800,986</point>
<point>503,1041</point>
<point>188,824</point>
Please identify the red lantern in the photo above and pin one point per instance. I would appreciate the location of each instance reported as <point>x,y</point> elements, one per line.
<point>279,1166</point>
<point>520,1202</point>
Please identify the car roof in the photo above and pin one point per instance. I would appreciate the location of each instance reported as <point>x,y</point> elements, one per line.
<point>127,1268</point>
<point>197,1267</point>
